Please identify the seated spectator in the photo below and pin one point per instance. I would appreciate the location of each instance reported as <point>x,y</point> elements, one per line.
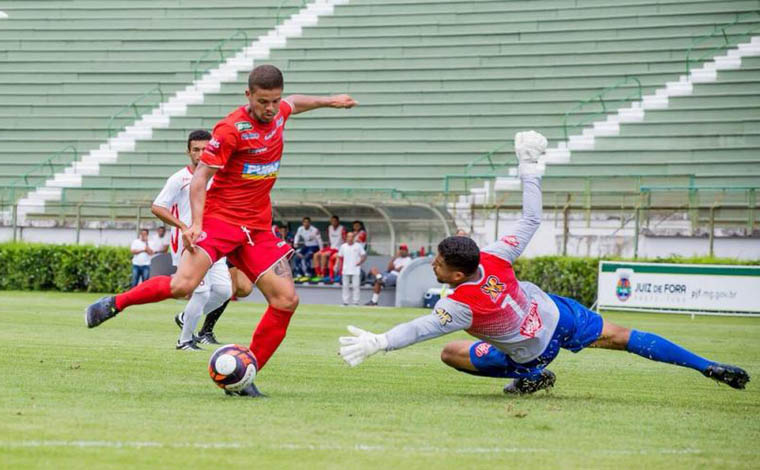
<point>141,260</point>
<point>351,256</point>
<point>390,276</point>
<point>336,235</point>
<point>307,242</point>
<point>360,234</point>
<point>159,241</point>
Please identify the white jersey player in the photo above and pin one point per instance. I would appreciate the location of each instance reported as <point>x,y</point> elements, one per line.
<point>172,205</point>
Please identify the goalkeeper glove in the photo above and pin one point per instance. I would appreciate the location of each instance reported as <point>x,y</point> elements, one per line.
<point>529,147</point>
<point>354,349</point>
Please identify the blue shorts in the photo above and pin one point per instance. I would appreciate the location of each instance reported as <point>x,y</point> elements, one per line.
<point>577,328</point>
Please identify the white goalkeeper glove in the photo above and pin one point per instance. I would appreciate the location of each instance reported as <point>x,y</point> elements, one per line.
<point>354,349</point>
<point>529,147</point>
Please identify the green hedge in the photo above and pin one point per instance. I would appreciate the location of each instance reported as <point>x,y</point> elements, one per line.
<point>87,268</point>
<point>66,268</point>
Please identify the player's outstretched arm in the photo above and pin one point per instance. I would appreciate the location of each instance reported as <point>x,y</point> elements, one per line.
<point>447,316</point>
<point>167,217</point>
<point>303,103</point>
<point>529,147</point>
<point>203,173</point>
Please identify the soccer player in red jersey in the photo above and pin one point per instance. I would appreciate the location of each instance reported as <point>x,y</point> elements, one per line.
<point>234,217</point>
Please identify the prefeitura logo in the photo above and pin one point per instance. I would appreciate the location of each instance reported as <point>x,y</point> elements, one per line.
<point>623,288</point>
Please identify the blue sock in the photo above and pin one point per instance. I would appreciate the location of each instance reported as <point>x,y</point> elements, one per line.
<point>657,348</point>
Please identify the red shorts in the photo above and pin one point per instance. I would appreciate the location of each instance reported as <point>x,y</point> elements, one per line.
<point>328,251</point>
<point>254,252</point>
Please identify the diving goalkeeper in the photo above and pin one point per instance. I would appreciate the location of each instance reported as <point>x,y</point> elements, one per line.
<point>520,328</point>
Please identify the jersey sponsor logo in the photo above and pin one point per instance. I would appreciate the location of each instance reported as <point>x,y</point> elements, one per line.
<point>214,143</point>
<point>482,349</point>
<point>493,287</point>
<point>249,135</point>
<point>532,323</point>
<point>280,121</point>
<point>257,151</point>
<point>243,126</point>
<point>271,134</point>
<point>511,240</point>
<point>444,317</point>
<point>255,171</point>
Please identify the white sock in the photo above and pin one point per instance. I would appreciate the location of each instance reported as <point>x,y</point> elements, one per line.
<point>219,295</point>
<point>375,297</point>
<point>193,312</point>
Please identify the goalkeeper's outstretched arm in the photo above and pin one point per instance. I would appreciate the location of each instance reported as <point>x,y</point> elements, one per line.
<point>529,146</point>
<point>447,316</point>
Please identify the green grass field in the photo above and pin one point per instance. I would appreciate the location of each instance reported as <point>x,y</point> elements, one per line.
<point>120,396</point>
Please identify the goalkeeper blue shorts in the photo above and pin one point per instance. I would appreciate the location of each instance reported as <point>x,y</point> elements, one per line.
<point>577,328</point>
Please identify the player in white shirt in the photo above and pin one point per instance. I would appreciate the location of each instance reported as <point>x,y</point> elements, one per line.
<point>307,242</point>
<point>351,255</point>
<point>172,205</point>
<point>389,277</point>
<point>325,259</point>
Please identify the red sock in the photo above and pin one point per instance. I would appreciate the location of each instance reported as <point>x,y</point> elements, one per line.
<point>318,270</point>
<point>154,289</point>
<point>269,334</point>
<point>331,265</point>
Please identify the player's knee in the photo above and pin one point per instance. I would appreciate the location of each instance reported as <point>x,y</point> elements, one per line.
<point>243,290</point>
<point>450,355</point>
<point>288,302</point>
<point>181,287</point>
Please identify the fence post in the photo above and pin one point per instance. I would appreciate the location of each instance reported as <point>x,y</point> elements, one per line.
<point>636,234</point>
<point>712,231</point>
<point>565,225</point>
<point>139,220</point>
<point>79,220</point>
<point>496,224</point>
<point>14,214</point>
<point>751,216</point>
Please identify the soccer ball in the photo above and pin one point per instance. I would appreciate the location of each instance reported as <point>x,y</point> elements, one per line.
<point>232,367</point>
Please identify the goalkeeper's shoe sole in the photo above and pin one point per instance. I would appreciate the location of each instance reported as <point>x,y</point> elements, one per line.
<point>100,311</point>
<point>733,376</point>
<point>250,391</point>
<point>525,386</point>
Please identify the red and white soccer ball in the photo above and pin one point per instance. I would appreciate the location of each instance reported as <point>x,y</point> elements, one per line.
<point>232,367</point>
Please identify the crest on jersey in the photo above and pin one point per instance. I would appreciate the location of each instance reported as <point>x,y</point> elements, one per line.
<point>510,240</point>
<point>493,287</point>
<point>444,317</point>
<point>243,126</point>
<point>532,323</point>
<point>482,349</point>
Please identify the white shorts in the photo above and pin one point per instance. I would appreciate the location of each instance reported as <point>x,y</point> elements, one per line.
<point>218,274</point>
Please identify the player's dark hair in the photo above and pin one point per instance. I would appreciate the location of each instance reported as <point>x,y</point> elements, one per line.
<point>361,224</point>
<point>335,217</point>
<point>198,134</point>
<point>144,230</point>
<point>266,77</point>
<point>306,218</point>
<point>460,253</point>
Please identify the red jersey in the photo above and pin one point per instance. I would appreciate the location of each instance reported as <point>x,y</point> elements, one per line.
<point>247,154</point>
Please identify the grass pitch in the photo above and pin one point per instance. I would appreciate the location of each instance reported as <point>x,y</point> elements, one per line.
<point>120,397</point>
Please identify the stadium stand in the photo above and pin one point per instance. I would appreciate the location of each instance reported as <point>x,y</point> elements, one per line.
<point>442,84</point>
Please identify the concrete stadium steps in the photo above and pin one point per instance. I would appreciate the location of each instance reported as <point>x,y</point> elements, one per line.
<point>67,66</point>
<point>440,83</point>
